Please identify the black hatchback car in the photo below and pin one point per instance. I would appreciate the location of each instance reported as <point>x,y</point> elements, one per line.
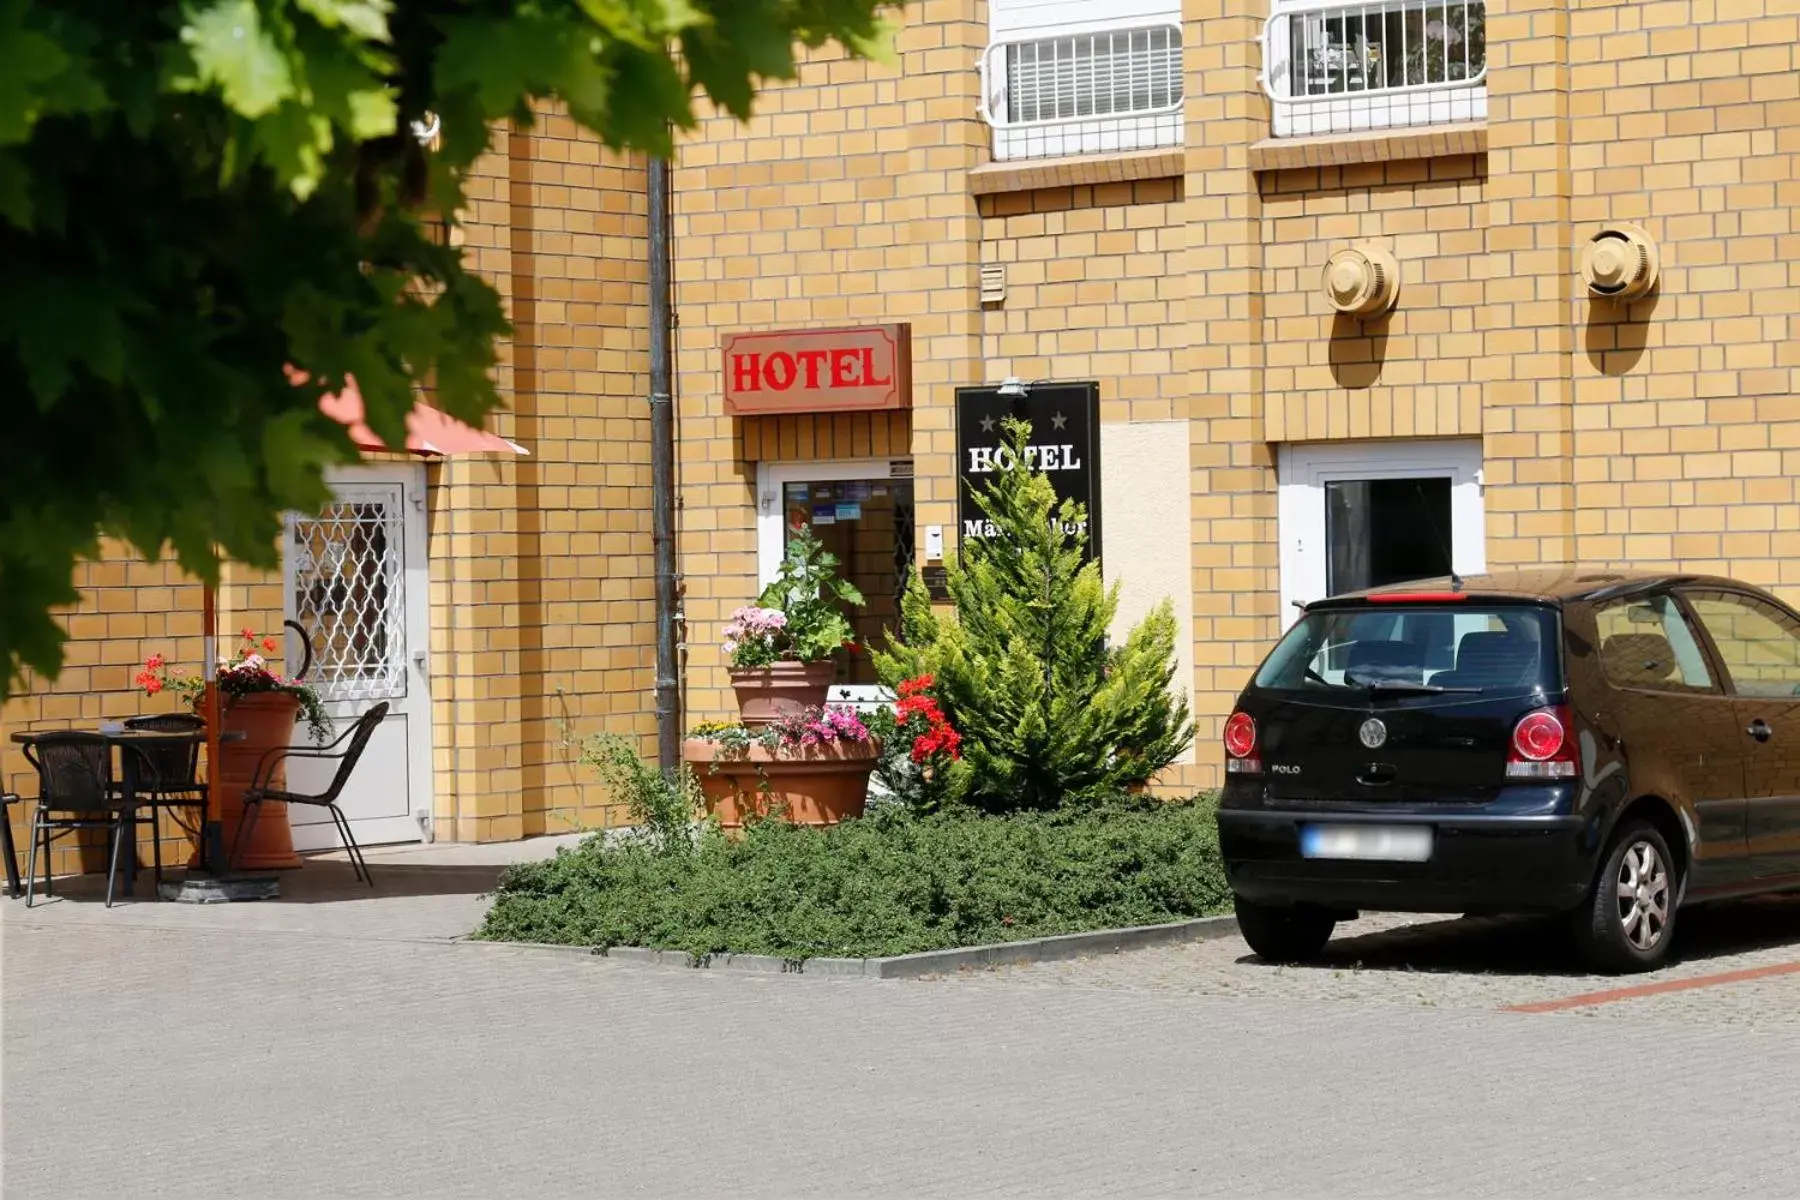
<point>1612,747</point>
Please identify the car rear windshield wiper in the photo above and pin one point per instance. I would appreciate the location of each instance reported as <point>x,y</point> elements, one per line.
<point>1394,687</point>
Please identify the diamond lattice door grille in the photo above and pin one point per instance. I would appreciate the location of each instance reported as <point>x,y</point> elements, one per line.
<point>347,570</point>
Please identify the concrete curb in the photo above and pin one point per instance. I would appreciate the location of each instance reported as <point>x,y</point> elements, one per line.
<point>913,966</point>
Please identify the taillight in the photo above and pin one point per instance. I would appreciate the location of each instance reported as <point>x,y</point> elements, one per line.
<point>1240,745</point>
<point>1543,746</point>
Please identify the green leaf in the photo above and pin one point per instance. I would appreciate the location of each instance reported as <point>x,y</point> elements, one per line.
<point>26,58</point>
<point>367,19</point>
<point>233,52</point>
<point>373,113</point>
<point>295,140</point>
<point>294,455</point>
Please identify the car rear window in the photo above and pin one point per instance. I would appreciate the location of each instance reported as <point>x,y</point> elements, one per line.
<point>1491,649</point>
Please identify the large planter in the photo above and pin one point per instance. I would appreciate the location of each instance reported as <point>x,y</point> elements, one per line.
<point>266,720</point>
<point>807,785</point>
<point>784,689</point>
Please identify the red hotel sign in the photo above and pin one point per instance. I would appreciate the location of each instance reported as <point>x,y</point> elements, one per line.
<point>818,370</point>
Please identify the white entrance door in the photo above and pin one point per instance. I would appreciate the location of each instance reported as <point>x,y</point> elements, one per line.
<point>862,510</point>
<point>1365,514</point>
<point>357,583</point>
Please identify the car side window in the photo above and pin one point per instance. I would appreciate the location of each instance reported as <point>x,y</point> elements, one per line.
<point>1758,643</point>
<point>1645,642</point>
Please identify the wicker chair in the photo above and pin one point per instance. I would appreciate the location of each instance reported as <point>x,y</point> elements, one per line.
<point>76,791</point>
<point>170,776</point>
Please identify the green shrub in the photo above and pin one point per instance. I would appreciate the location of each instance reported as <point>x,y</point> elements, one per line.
<point>1048,711</point>
<point>893,883</point>
<point>663,807</point>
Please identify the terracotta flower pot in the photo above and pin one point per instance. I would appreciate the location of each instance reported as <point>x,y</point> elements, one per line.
<point>767,694</point>
<point>267,721</point>
<point>807,785</point>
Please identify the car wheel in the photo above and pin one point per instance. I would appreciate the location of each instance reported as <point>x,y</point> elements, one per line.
<point>1629,919</point>
<point>1283,934</point>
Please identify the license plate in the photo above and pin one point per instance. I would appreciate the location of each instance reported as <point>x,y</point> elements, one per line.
<point>1381,843</point>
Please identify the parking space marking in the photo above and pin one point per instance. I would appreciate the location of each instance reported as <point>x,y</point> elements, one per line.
<point>1588,999</point>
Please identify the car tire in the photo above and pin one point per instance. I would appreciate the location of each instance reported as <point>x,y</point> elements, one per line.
<point>1628,921</point>
<point>1283,934</point>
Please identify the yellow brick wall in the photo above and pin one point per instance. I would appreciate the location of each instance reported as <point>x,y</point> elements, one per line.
<point>1665,433</point>
<point>543,599</point>
<point>1413,372</point>
<point>1094,291</point>
<point>844,202</point>
<point>1686,424</point>
<point>1236,581</point>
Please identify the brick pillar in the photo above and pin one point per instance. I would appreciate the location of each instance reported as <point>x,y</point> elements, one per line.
<point>940,236</point>
<point>1236,564</point>
<point>473,539</point>
<point>1529,342</point>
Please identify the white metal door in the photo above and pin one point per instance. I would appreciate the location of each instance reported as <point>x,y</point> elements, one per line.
<point>1304,471</point>
<point>357,582</point>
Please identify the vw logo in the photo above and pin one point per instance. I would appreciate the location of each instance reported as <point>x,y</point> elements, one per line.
<point>1373,733</point>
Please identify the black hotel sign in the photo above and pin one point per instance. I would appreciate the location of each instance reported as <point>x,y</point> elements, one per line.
<point>1064,447</point>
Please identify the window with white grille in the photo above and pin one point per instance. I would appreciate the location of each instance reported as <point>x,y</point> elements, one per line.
<point>1052,86</point>
<point>1332,67</point>
<point>345,572</point>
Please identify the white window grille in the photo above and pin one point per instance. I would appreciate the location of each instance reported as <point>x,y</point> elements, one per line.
<point>1084,93</point>
<point>345,572</point>
<point>1339,68</point>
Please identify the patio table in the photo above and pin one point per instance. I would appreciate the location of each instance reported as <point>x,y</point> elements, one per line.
<point>130,778</point>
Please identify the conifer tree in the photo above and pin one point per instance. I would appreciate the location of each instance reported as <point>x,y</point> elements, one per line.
<point>1049,712</point>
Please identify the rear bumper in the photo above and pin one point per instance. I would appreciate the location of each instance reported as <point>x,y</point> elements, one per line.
<point>1503,862</point>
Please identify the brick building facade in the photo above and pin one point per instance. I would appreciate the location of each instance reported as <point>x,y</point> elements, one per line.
<point>1141,196</point>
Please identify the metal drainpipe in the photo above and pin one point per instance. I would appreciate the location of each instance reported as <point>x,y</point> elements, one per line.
<point>662,473</point>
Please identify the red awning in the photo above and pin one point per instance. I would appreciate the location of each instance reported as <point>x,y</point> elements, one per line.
<point>428,431</point>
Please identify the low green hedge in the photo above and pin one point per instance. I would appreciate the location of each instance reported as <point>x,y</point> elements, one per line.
<point>891,883</point>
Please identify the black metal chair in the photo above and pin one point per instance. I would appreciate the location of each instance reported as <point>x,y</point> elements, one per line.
<point>170,777</point>
<point>76,791</point>
<point>354,740</point>
<point>13,886</point>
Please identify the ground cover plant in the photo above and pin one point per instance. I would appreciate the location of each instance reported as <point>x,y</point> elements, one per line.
<point>890,883</point>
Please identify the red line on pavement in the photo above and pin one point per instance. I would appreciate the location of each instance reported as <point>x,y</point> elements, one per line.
<point>1655,989</point>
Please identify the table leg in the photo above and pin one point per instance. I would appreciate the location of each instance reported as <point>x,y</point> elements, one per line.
<point>13,887</point>
<point>128,787</point>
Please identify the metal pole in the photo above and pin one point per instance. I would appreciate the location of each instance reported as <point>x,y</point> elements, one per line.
<point>662,473</point>
<point>211,824</point>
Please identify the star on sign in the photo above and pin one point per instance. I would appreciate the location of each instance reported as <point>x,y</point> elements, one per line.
<point>1057,421</point>
<point>987,424</point>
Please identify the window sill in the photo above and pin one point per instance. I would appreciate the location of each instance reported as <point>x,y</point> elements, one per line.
<point>1025,175</point>
<point>1375,145</point>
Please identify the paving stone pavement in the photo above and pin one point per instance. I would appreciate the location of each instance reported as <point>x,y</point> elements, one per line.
<point>1488,964</point>
<point>220,1053</point>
